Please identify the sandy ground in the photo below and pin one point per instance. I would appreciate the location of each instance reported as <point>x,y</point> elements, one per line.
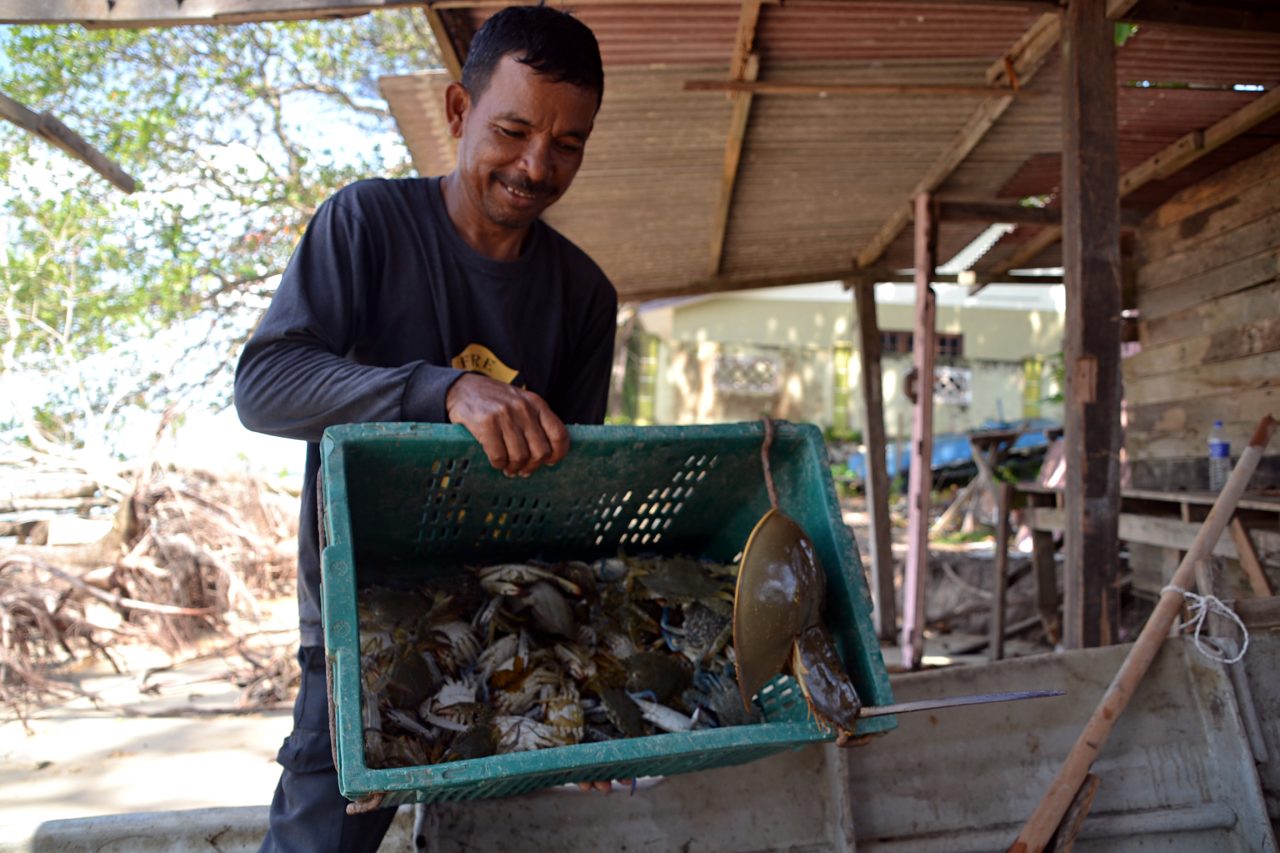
<point>157,750</point>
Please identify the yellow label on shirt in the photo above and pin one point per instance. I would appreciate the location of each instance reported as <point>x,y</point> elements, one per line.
<point>478,358</point>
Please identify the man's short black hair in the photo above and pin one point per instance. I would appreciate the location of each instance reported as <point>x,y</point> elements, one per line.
<point>553,43</point>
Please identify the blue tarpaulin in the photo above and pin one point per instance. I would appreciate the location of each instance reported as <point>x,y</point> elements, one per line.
<point>952,449</point>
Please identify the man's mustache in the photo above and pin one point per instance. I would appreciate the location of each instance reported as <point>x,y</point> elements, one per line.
<point>527,186</point>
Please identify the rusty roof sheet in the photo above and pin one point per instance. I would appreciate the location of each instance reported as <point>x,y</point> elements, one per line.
<point>819,176</point>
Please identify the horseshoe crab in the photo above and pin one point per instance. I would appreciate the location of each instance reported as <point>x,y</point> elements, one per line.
<point>777,618</point>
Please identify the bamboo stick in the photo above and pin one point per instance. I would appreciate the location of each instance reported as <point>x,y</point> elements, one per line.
<point>1044,821</point>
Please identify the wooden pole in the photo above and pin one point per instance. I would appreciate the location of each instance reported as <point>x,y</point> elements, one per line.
<point>1004,497</point>
<point>877,488</point>
<point>1091,260</point>
<point>1048,815</point>
<point>919,479</point>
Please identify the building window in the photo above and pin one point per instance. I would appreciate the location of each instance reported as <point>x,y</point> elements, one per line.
<point>949,346</point>
<point>901,341</point>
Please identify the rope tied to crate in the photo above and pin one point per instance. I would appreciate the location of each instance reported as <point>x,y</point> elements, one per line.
<point>1200,607</point>
<point>764,458</point>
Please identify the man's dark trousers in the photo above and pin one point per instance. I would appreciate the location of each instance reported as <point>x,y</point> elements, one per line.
<point>308,814</point>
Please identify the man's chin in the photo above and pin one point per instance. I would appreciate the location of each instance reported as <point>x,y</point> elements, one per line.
<point>515,220</point>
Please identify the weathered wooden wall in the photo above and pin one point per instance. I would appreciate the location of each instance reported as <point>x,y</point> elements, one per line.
<point>1208,294</point>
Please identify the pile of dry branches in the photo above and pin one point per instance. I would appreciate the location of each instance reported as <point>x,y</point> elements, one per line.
<point>188,557</point>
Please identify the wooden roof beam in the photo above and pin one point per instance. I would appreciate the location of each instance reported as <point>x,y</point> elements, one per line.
<point>452,55</point>
<point>774,87</point>
<point>880,275</point>
<point>58,134</point>
<point>1216,16</point>
<point>966,210</point>
<point>1015,68</point>
<point>1163,164</point>
<point>744,66</point>
<point>135,14</point>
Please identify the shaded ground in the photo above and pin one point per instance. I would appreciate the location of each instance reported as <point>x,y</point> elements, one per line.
<point>158,739</point>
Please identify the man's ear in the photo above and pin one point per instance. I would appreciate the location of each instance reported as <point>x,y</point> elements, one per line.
<point>457,101</point>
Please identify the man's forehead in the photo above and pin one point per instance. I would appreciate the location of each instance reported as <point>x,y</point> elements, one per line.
<point>511,75</point>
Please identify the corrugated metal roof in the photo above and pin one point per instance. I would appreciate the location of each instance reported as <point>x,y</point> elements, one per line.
<point>799,31</point>
<point>820,176</point>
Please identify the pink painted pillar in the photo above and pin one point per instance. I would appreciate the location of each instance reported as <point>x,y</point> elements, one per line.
<point>919,480</point>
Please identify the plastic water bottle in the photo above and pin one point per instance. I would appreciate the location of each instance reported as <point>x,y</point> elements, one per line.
<point>1219,458</point>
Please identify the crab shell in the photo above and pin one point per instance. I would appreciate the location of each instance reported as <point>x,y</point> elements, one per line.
<point>777,622</point>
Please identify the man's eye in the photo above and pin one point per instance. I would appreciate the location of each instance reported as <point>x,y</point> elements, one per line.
<point>570,147</point>
<point>509,133</point>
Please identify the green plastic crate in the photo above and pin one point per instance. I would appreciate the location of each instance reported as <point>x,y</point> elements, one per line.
<point>405,502</point>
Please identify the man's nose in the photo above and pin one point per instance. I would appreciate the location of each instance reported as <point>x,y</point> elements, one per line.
<point>537,159</point>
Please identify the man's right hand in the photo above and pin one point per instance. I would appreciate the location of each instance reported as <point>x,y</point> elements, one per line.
<point>516,428</point>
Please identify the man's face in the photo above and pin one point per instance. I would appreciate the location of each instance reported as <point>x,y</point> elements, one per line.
<point>521,142</point>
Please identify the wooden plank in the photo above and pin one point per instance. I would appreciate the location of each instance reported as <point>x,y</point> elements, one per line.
<point>744,65</point>
<point>1257,613</point>
<point>1249,560</point>
<point>1189,472</point>
<point>1164,532</point>
<point>160,13</point>
<point>919,479</point>
<point>1228,344</point>
<point>1232,309</point>
<point>723,284</point>
<point>877,488</point>
<point>812,89</point>
<point>1258,169</point>
<point>744,40</point>
<point>59,135</point>
<point>1252,202</point>
<point>1197,143</point>
<point>1250,239</point>
<point>1180,428</point>
<point>1029,250</point>
<point>1091,260</point>
<point>1205,498</point>
<point>450,53</point>
<point>978,210</point>
<point>1242,274</point>
<point>1245,374</point>
<point>729,177</point>
<point>151,13</point>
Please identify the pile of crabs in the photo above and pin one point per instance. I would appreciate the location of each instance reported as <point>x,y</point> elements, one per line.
<point>515,657</point>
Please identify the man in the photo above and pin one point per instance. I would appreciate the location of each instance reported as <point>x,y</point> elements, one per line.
<point>445,300</point>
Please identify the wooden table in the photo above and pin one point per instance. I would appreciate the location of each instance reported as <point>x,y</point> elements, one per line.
<point>1168,520</point>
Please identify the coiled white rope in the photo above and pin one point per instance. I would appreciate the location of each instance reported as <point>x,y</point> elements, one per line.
<point>1201,606</point>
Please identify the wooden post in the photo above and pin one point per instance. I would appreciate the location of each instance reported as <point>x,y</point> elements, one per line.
<point>1004,498</point>
<point>919,479</point>
<point>1091,259</point>
<point>877,482</point>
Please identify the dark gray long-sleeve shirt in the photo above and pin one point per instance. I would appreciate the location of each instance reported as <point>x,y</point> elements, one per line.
<point>384,305</point>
